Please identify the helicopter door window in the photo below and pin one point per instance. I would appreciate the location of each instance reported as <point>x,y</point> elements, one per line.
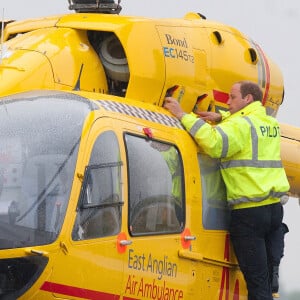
<point>215,212</point>
<point>99,208</point>
<point>156,197</point>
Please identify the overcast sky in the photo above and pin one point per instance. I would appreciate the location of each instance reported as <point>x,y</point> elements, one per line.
<point>273,24</point>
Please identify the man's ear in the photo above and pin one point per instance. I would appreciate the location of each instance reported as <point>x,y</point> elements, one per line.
<point>249,98</point>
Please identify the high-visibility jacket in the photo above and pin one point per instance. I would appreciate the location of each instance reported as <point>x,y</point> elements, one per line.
<point>248,144</point>
<point>172,160</point>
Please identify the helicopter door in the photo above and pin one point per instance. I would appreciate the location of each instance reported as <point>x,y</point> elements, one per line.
<point>156,218</point>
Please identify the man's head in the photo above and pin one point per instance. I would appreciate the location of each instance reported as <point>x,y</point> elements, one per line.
<point>243,93</point>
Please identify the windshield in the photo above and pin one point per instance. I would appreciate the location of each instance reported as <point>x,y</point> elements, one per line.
<point>39,138</point>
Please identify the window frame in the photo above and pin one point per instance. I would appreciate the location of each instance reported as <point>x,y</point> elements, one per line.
<point>95,208</point>
<point>182,181</point>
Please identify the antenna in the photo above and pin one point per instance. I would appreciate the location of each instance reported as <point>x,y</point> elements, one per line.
<point>95,6</point>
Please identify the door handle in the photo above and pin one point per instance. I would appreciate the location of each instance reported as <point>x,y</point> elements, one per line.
<point>125,242</point>
<point>189,238</point>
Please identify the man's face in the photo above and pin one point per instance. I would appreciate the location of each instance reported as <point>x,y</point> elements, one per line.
<point>235,101</point>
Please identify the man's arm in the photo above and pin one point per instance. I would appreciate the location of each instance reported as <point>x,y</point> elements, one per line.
<point>172,105</point>
<point>210,116</point>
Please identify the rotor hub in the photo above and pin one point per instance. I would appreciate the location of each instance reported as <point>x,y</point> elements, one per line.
<point>95,6</point>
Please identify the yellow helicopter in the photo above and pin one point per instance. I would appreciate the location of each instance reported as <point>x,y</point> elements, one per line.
<point>103,195</point>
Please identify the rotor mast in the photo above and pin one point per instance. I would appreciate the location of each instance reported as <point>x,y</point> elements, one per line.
<point>95,6</point>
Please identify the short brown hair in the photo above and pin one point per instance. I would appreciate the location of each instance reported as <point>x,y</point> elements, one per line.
<point>249,87</point>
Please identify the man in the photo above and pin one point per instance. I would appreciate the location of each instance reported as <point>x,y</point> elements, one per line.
<point>170,155</point>
<point>248,143</point>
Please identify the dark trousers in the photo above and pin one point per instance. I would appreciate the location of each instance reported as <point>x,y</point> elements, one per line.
<point>255,234</point>
<point>276,246</point>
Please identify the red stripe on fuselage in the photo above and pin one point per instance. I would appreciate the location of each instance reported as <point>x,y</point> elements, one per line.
<point>77,292</point>
<point>220,96</point>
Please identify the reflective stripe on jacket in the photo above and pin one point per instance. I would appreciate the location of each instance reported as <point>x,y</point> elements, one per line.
<point>248,143</point>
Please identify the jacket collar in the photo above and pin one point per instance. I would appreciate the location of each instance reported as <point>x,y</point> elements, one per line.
<point>253,106</point>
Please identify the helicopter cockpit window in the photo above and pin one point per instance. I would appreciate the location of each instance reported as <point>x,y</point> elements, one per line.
<point>156,196</point>
<point>215,212</point>
<point>99,209</point>
<point>40,134</point>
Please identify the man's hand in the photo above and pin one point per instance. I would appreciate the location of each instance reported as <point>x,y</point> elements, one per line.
<point>210,116</point>
<point>173,106</point>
